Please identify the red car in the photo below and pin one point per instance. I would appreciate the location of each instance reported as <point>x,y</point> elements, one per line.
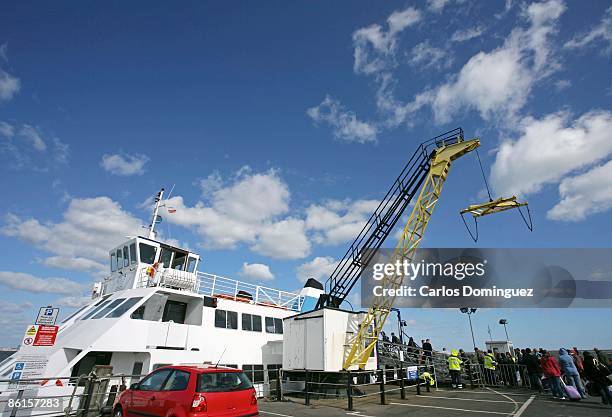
<point>189,391</point>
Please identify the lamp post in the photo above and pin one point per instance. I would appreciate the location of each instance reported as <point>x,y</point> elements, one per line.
<point>400,323</point>
<point>469,312</point>
<point>504,322</point>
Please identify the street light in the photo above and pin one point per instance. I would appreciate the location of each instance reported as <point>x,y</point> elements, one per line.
<point>504,322</point>
<point>469,312</point>
<point>401,323</point>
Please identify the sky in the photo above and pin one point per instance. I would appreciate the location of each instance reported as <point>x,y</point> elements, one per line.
<point>281,125</point>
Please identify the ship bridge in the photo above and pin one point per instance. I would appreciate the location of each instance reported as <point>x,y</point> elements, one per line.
<point>142,262</point>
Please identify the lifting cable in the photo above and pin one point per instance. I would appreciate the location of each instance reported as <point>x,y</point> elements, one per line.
<point>493,206</point>
<point>484,177</point>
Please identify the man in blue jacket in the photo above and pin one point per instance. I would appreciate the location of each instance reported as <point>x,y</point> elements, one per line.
<point>569,369</point>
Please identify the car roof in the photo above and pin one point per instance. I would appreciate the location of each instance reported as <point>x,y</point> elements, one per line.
<point>202,368</point>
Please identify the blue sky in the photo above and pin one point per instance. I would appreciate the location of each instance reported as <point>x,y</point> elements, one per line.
<point>281,125</point>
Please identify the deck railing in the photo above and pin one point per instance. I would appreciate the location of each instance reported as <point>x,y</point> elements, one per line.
<point>222,287</point>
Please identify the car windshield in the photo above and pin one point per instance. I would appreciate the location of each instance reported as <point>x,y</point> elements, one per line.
<point>223,381</point>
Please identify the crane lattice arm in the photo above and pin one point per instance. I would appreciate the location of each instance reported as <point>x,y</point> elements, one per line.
<point>383,220</point>
<point>440,160</point>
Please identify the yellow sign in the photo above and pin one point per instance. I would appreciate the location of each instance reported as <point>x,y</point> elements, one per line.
<point>31,331</point>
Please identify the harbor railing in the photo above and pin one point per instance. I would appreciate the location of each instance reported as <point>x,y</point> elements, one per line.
<point>345,388</point>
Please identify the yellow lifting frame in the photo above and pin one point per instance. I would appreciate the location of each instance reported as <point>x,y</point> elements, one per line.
<point>361,345</point>
<point>493,206</point>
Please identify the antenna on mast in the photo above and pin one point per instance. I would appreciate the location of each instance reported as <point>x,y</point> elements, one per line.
<point>158,200</point>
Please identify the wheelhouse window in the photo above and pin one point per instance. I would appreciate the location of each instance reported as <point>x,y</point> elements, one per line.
<point>191,264</point>
<point>113,260</point>
<point>226,319</point>
<point>147,253</point>
<point>119,259</point>
<point>165,257</point>
<point>126,257</point>
<point>179,261</point>
<point>133,253</point>
<point>274,325</point>
<point>251,322</point>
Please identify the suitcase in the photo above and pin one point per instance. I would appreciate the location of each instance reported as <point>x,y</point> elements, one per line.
<point>571,391</point>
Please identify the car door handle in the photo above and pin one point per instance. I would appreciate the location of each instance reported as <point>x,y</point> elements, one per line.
<point>152,398</point>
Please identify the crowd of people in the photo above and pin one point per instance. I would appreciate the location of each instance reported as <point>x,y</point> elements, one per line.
<point>586,373</point>
<point>589,373</point>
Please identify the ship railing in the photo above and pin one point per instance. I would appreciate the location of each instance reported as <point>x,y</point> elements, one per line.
<point>222,287</point>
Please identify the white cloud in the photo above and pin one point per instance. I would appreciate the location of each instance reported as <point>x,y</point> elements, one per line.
<point>344,123</point>
<point>7,130</point>
<point>374,48</point>
<point>562,84</point>
<point>211,183</point>
<point>549,149</point>
<point>256,271</point>
<point>74,262</point>
<point>497,83</point>
<point>467,34</point>
<point>437,5</point>
<point>72,301</point>
<point>31,150</point>
<point>285,239</point>
<point>249,209</point>
<point>89,229</point>
<point>254,197</point>
<point>61,151</point>
<point>7,307</point>
<point>124,164</point>
<point>426,56</point>
<point>32,136</point>
<point>584,194</point>
<point>603,32</point>
<point>336,221</point>
<point>320,268</point>
<point>30,283</point>
<point>9,86</point>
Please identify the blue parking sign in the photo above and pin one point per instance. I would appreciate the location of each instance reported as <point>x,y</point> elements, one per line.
<point>16,375</point>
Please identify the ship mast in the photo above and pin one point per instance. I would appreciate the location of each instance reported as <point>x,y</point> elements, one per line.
<point>158,200</point>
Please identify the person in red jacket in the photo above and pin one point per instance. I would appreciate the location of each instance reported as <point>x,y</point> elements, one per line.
<point>552,371</point>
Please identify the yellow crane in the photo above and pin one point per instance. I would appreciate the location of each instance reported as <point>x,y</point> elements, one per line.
<point>441,160</point>
<point>424,175</point>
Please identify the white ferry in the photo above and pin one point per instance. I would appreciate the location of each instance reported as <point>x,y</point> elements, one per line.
<point>155,308</point>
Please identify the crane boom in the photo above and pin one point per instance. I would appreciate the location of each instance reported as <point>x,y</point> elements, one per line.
<point>439,162</point>
<point>383,220</point>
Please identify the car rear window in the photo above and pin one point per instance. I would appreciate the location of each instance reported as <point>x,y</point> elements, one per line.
<point>223,381</point>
